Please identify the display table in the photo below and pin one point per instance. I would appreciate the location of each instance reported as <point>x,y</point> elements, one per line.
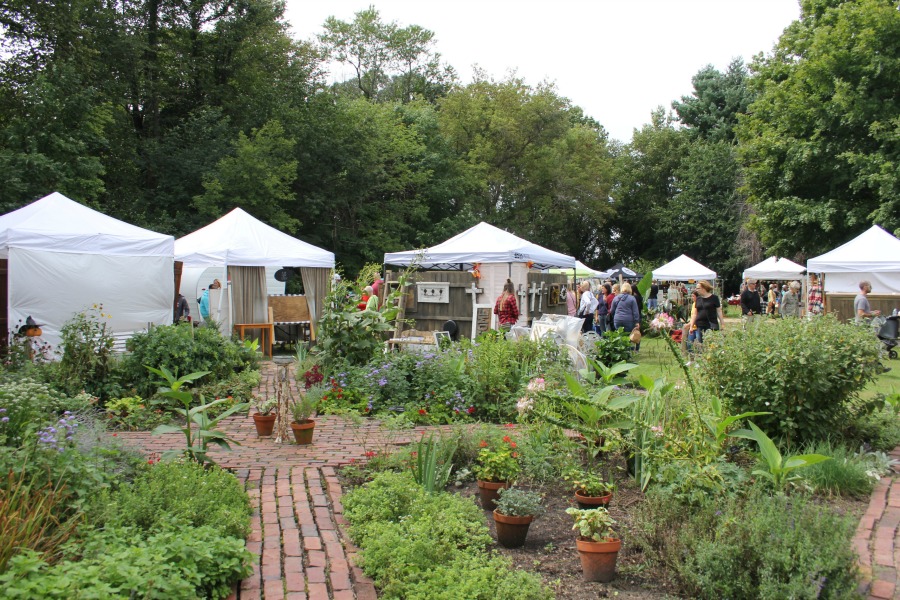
<point>267,334</point>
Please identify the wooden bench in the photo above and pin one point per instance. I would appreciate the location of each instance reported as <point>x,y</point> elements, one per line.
<point>290,316</point>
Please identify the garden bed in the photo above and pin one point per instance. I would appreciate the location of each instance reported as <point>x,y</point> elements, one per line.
<point>549,550</point>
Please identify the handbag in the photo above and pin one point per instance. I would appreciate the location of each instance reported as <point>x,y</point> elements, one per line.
<point>635,336</point>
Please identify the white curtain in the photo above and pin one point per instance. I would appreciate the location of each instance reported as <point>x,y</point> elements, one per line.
<point>249,294</point>
<point>316,285</point>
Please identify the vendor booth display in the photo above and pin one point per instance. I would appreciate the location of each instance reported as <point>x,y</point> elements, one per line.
<point>683,268</point>
<point>873,256</point>
<point>474,265</point>
<point>62,257</point>
<point>775,269</point>
<point>245,246</point>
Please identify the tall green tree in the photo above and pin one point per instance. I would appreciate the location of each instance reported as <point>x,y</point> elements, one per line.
<point>712,110</point>
<point>390,62</point>
<point>646,182</point>
<point>539,168</point>
<point>258,177</point>
<point>821,143</point>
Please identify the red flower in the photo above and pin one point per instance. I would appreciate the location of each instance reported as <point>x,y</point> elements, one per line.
<point>506,439</point>
<point>115,435</point>
<point>422,411</point>
<point>510,425</point>
<point>471,410</point>
<point>483,444</point>
<point>414,454</point>
<point>515,455</point>
<point>370,454</point>
<point>512,444</point>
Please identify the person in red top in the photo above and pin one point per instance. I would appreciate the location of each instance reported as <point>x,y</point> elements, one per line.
<point>506,308</point>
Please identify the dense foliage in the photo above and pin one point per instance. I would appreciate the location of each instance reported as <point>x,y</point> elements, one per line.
<point>480,380</point>
<point>806,373</point>
<point>754,546</point>
<point>420,545</point>
<point>183,349</point>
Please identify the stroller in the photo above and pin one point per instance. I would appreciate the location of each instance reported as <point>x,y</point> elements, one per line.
<point>887,332</point>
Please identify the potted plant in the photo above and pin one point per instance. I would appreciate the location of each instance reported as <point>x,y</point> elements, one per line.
<point>590,489</point>
<point>515,511</point>
<point>264,417</point>
<point>495,468</point>
<point>302,410</point>
<point>597,543</point>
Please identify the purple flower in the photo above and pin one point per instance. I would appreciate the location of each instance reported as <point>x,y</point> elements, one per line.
<point>4,420</point>
<point>382,382</point>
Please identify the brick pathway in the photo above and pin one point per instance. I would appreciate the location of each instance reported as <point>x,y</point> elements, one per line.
<point>877,539</point>
<point>297,539</point>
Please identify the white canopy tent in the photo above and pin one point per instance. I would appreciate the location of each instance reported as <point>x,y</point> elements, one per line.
<point>775,268</point>
<point>482,243</point>
<point>65,257</point>
<point>501,255</point>
<point>240,240</point>
<point>873,255</point>
<point>683,268</point>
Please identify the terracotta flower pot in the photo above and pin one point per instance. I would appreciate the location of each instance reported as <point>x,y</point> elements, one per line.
<point>303,432</point>
<point>512,531</point>
<point>598,559</point>
<point>585,501</point>
<point>265,424</point>
<point>490,492</point>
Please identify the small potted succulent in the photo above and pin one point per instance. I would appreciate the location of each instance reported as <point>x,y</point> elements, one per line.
<point>515,511</point>
<point>590,489</point>
<point>597,543</point>
<point>264,417</point>
<point>302,411</point>
<point>495,468</point>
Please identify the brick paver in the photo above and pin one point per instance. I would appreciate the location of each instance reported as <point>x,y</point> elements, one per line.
<point>877,540</point>
<point>297,539</point>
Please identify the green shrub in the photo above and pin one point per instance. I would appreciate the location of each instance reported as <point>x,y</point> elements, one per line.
<point>806,373</point>
<point>121,563</point>
<point>420,545</point>
<point>846,474</point>
<point>184,492</point>
<point>476,576</point>
<point>25,406</point>
<point>87,362</point>
<point>385,499</point>
<point>614,346</point>
<point>183,349</point>
<point>757,546</point>
<point>879,429</point>
<point>439,528</point>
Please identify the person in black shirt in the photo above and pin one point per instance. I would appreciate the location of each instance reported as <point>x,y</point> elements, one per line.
<point>652,301</point>
<point>709,310</point>
<point>750,301</point>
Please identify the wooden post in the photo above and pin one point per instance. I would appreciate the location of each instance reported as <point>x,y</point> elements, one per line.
<point>401,314</point>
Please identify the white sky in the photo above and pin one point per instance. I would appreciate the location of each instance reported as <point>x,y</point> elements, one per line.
<point>617,59</point>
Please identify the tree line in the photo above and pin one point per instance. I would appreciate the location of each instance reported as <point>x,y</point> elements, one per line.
<point>169,113</point>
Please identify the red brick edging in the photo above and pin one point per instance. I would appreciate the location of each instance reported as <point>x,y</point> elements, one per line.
<point>877,539</point>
